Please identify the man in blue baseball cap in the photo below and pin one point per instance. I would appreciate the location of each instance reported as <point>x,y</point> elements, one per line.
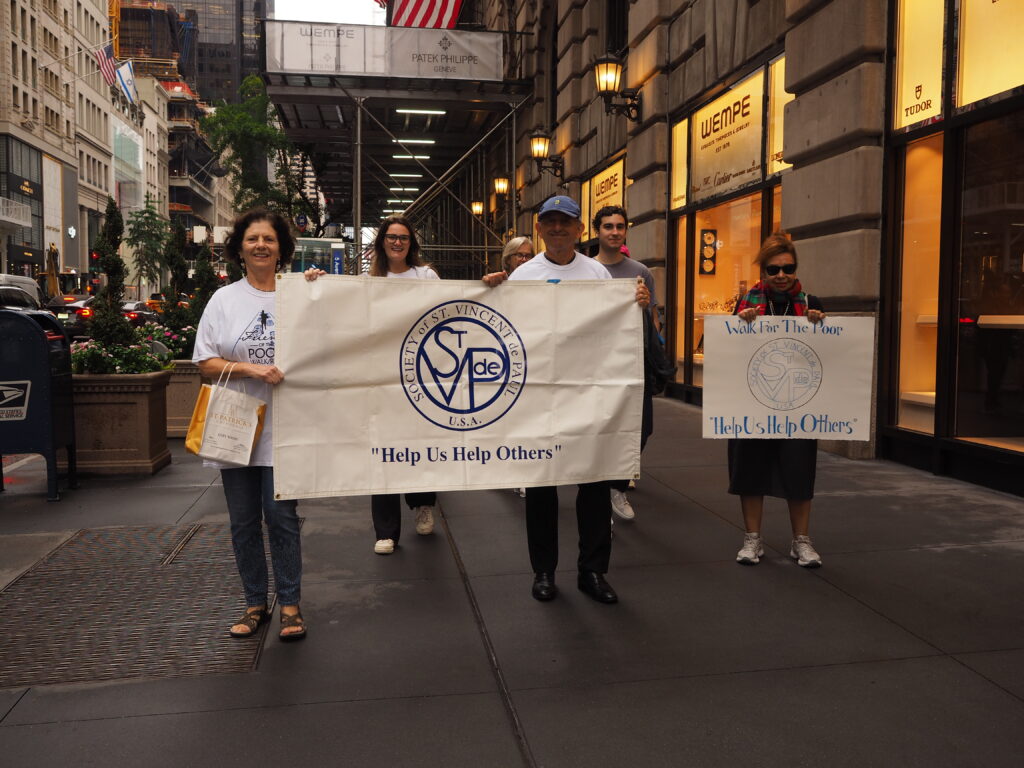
<point>559,224</point>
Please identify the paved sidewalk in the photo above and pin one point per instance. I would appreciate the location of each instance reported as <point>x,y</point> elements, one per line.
<point>906,648</point>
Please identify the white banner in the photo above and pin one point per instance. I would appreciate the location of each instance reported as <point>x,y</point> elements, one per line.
<point>351,49</point>
<point>787,377</point>
<point>407,385</point>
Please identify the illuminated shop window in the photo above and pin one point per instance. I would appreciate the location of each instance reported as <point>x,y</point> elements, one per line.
<point>989,59</point>
<point>680,150</point>
<point>919,281</point>
<point>681,282</point>
<point>727,238</point>
<point>917,94</point>
<point>778,98</point>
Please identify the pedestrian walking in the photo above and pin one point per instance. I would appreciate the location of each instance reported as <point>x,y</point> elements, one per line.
<point>776,467</point>
<point>516,252</point>
<point>237,330</point>
<point>396,254</point>
<point>559,224</point>
<point>610,224</point>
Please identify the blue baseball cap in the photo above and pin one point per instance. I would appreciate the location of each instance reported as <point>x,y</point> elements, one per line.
<point>560,204</point>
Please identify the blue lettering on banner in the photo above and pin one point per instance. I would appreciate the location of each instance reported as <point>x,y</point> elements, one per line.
<point>462,365</point>
<point>475,454</point>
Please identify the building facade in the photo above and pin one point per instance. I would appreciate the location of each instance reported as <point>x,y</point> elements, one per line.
<point>877,133</point>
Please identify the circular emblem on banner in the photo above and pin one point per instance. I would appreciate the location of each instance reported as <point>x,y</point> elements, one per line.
<point>784,374</point>
<point>463,365</point>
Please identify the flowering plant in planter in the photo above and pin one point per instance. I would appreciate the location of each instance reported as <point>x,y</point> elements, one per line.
<point>92,357</point>
<point>180,342</point>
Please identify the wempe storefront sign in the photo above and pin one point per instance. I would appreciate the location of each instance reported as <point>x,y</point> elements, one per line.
<point>785,377</point>
<point>726,140</point>
<point>350,49</point>
<point>607,187</point>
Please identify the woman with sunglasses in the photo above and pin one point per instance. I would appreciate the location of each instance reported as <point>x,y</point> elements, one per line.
<point>396,253</point>
<point>776,467</point>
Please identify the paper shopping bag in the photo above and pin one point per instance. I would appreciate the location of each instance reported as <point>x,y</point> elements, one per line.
<point>225,423</point>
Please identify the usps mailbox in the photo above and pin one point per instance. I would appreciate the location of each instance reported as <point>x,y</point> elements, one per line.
<point>36,409</point>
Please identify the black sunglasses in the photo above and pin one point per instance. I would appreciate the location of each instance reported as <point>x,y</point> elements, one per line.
<point>773,269</point>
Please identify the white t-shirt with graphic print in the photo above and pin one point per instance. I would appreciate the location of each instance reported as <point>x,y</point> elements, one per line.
<point>238,325</point>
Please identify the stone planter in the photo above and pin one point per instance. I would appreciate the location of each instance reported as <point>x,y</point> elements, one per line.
<point>121,422</point>
<point>182,392</point>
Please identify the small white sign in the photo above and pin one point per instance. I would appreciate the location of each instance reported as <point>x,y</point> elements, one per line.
<point>785,377</point>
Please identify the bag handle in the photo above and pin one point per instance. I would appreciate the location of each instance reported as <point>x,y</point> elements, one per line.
<point>225,371</point>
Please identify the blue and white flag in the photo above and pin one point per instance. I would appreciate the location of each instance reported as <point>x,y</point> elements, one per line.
<point>126,79</point>
<point>397,386</point>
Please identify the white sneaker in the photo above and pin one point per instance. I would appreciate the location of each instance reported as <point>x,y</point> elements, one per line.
<point>752,550</point>
<point>803,552</point>
<point>384,546</point>
<point>621,505</point>
<point>424,520</point>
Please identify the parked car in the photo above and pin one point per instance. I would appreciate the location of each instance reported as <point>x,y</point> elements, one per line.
<point>18,300</point>
<point>139,313</point>
<point>74,312</point>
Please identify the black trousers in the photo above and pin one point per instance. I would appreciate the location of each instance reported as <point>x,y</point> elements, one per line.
<point>387,512</point>
<point>593,518</point>
<point>646,430</point>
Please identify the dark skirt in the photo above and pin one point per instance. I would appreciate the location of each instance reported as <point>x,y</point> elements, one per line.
<point>781,468</point>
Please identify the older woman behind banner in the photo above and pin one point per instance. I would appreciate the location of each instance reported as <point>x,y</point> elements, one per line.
<point>396,254</point>
<point>516,252</point>
<point>237,327</point>
<point>776,467</point>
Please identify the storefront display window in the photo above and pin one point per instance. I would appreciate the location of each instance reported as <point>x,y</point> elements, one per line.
<point>989,60</point>
<point>777,209</point>
<point>919,281</point>
<point>778,99</point>
<point>990,338</point>
<point>680,153</point>
<point>918,90</point>
<point>726,240</point>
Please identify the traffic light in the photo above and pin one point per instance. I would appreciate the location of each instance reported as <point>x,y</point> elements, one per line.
<point>94,262</point>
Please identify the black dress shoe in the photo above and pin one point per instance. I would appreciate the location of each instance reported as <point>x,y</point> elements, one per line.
<point>544,588</point>
<point>594,585</point>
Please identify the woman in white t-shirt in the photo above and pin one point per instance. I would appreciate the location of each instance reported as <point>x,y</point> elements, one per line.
<point>396,253</point>
<point>237,329</point>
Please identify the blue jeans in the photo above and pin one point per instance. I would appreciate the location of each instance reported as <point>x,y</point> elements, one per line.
<point>250,495</point>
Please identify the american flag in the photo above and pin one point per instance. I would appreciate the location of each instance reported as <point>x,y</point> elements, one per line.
<point>439,14</point>
<point>382,3</point>
<point>105,58</point>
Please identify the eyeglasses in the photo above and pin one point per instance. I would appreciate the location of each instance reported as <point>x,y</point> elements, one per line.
<point>773,269</point>
<point>397,238</point>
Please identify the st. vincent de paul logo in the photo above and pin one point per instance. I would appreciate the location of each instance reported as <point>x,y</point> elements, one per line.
<point>784,374</point>
<point>463,365</point>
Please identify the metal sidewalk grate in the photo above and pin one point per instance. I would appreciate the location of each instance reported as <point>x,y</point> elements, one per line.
<point>127,602</point>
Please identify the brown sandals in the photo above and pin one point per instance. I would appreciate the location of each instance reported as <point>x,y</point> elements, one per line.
<point>252,619</point>
<point>292,620</point>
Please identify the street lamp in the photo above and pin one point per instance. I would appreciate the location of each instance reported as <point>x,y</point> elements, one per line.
<point>477,207</point>
<point>608,74</point>
<point>540,146</point>
<point>501,186</point>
